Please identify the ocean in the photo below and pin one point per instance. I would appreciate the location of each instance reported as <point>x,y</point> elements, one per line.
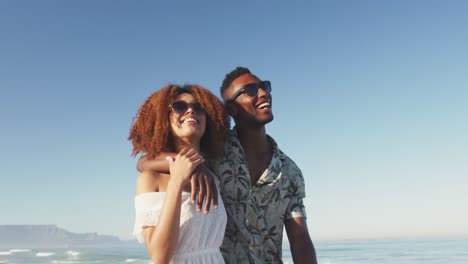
<point>449,250</point>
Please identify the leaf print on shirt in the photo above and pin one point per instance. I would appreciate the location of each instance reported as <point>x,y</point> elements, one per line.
<point>241,180</point>
<point>226,177</point>
<point>238,202</point>
<point>272,197</point>
<point>257,212</point>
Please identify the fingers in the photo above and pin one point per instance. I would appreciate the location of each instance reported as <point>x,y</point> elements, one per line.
<point>183,152</point>
<point>188,152</point>
<point>192,155</point>
<point>201,193</point>
<point>214,193</point>
<point>208,193</point>
<point>170,160</point>
<point>198,182</point>
<point>189,157</point>
<point>193,187</point>
<point>184,165</point>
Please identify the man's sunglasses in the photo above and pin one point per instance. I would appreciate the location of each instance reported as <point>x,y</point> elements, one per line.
<point>251,89</point>
<point>181,107</point>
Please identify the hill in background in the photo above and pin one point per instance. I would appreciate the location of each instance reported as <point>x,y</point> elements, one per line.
<point>51,236</point>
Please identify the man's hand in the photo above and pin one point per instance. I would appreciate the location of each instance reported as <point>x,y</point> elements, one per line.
<point>203,181</point>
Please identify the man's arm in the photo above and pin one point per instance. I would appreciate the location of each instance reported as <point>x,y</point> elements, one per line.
<point>302,248</point>
<point>159,164</point>
<point>202,179</point>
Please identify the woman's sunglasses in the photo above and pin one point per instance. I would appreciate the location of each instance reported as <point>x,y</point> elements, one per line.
<point>181,107</point>
<point>251,89</point>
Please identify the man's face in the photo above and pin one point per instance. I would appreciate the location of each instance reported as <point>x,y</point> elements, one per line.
<point>256,109</point>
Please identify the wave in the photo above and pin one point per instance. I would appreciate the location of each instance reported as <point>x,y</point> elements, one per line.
<point>72,253</point>
<point>327,261</point>
<point>4,253</point>
<point>75,261</point>
<point>130,260</point>
<point>44,254</point>
<point>19,250</point>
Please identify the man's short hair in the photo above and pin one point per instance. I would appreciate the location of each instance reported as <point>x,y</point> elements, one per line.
<point>230,77</point>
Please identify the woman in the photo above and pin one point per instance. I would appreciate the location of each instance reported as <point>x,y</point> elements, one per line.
<point>187,120</point>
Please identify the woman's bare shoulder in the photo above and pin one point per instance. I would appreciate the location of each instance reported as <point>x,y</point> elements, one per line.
<point>148,181</point>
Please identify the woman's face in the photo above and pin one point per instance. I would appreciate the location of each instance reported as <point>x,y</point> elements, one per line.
<point>188,118</point>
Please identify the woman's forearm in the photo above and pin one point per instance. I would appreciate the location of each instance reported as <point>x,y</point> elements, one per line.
<point>163,240</point>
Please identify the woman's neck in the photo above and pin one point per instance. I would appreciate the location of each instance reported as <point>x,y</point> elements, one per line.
<point>181,143</point>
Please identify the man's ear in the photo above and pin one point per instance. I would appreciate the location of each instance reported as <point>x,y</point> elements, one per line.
<point>231,109</point>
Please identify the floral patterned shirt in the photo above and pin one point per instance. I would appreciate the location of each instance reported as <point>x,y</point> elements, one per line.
<point>256,213</point>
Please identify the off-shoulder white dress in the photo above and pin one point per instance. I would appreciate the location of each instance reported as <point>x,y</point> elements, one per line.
<point>200,235</point>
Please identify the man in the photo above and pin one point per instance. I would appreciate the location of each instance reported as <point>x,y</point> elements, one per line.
<point>261,187</point>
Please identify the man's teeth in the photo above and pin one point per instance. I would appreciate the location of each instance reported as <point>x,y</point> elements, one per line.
<point>264,105</point>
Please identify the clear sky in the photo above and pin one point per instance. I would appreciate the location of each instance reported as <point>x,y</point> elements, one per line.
<point>370,99</point>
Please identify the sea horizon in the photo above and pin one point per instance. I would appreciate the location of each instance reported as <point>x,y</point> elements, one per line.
<point>440,250</point>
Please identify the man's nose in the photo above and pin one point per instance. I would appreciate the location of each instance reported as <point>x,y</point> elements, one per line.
<point>261,92</point>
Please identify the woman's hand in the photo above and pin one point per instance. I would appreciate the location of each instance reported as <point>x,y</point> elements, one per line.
<point>182,166</point>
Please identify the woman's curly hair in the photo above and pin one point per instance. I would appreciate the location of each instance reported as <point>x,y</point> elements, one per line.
<point>151,131</point>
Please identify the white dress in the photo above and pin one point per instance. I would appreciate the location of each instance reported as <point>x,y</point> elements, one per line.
<point>200,235</point>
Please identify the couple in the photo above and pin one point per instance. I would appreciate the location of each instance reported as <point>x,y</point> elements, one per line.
<point>261,188</point>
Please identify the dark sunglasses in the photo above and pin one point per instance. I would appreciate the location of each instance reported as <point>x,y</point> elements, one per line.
<point>181,107</point>
<point>251,89</point>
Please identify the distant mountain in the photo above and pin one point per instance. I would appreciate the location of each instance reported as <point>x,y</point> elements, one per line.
<point>51,236</point>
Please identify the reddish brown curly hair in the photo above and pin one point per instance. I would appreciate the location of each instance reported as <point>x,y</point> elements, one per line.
<point>150,132</point>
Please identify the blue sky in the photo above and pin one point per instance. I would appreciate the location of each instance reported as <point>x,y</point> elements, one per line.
<point>369,97</point>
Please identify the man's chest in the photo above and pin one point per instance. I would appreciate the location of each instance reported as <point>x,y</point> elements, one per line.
<point>256,165</point>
